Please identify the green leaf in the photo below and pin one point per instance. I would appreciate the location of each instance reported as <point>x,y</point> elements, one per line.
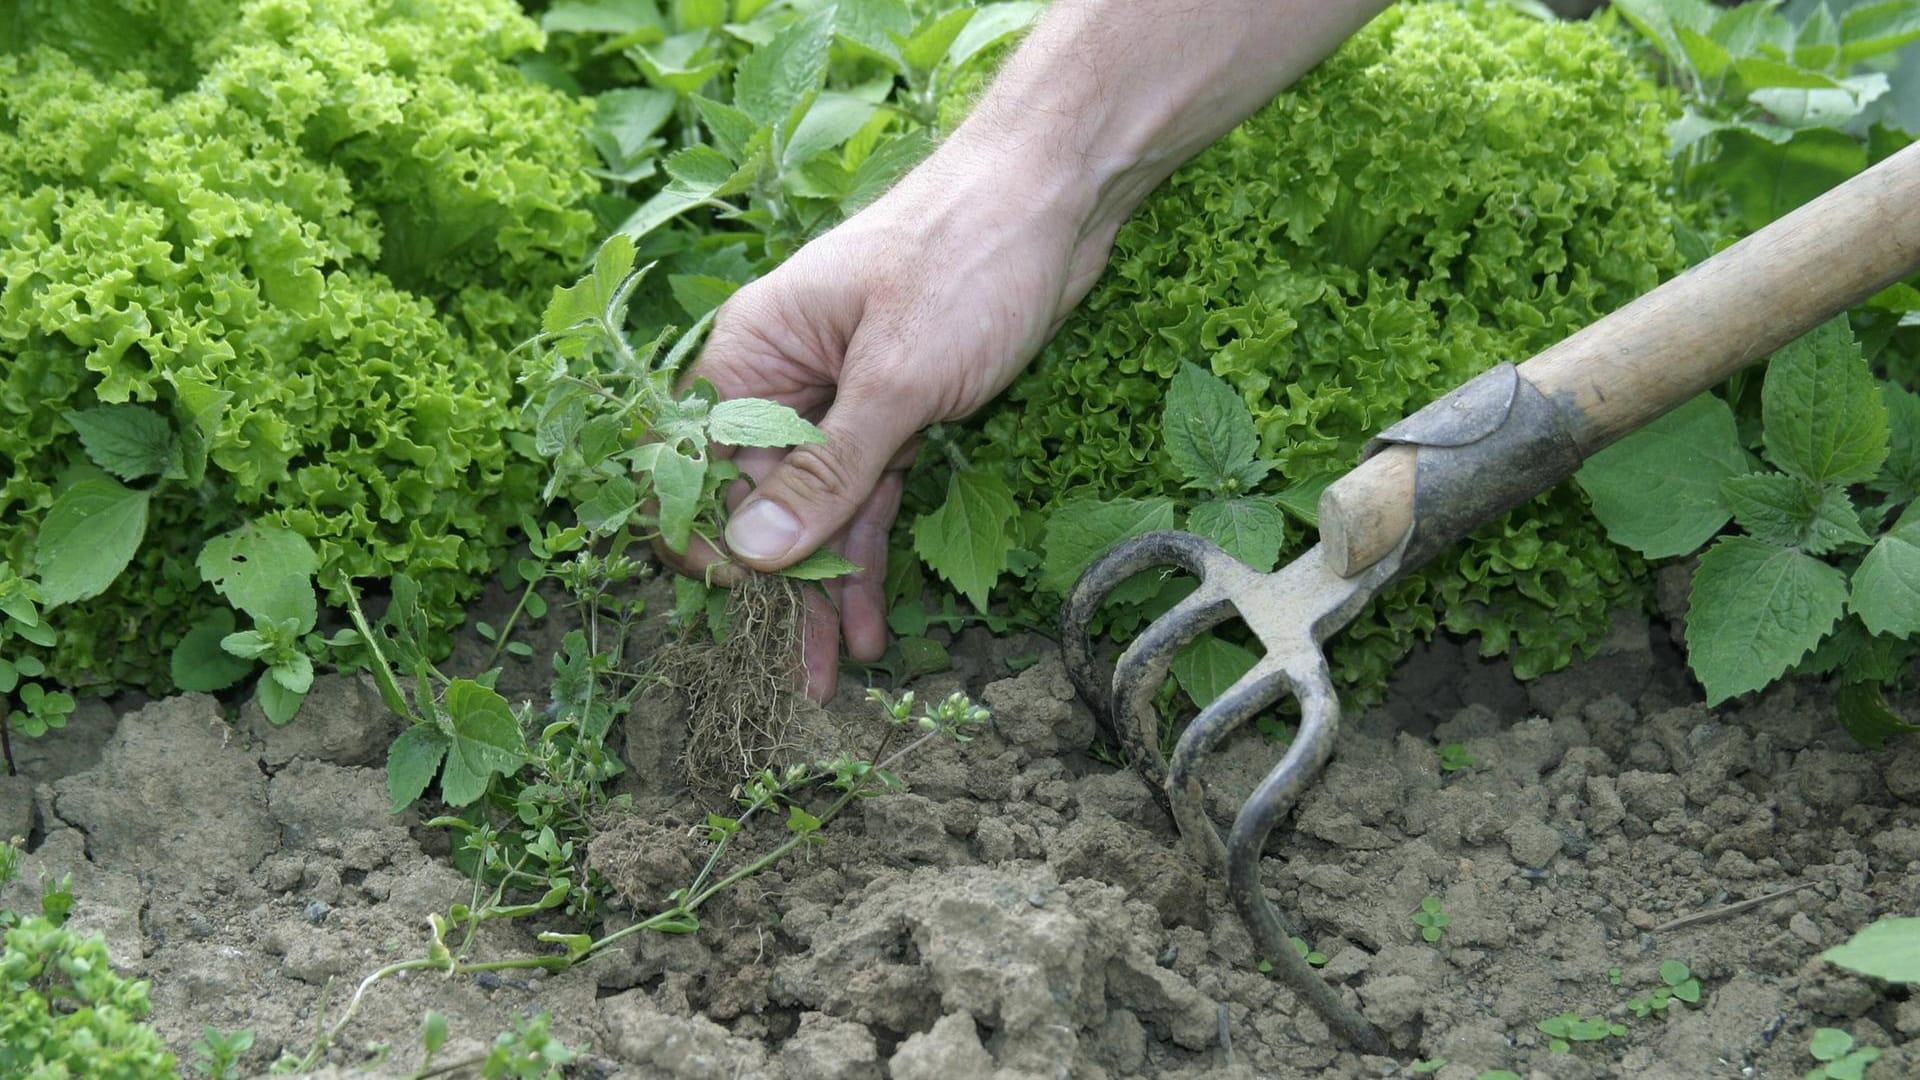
<point>485,739</point>
<point>775,78</point>
<point>295,673</point>
<point>1829,1043</point>
<point>1821,107</point>
<point>1082,530</point>
<point>755,422</point>
<point>625,123</point>
<point>279,703</point>
<point>129,441</point>
<point>831,120</point>
<point>1864,713</point>
<point>1209,432</point>
<point>927,46</point>
<point>1900,475</point>
<point>1302,500</point>
<point>1755,611</point>
<point>1823,417</point>
<point>1250,529</point>
<point>821,565</point>
<point>1764,180</point>
<point>1208,666</point>
<point>433,1032</point>
<point>1876,29</point>
<point>1886,587</point>
<point>680,63</point>
<point>199,663</point>
<point>89,535</point>
<point>800,823</point>
<point>265,571</point>
<point>699,294</point>
<point>1888,949</point>
<point>412,761</point>
<point>677,483</point>
<point>600,17</point>
<point>588,300</point>
<point>1674,972</point>
<point>1658,491</point>
<point>1784,510</point>
<point>992,24</point>
<point>966,540</point>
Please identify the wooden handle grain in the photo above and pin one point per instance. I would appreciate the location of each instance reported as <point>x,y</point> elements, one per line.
<point>1684,337</point>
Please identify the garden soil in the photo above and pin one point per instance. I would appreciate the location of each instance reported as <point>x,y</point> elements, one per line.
<point>1025,910</point>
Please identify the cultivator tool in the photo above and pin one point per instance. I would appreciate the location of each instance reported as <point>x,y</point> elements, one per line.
<point>1493,443</point>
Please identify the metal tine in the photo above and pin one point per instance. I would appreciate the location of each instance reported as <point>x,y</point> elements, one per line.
<point>1254,691</point>
<point>1143,667</point>
<point>1270,802</point>
<point>1156,549</point>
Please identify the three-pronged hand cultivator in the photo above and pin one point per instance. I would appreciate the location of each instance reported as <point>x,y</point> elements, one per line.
<point>1491,444</point>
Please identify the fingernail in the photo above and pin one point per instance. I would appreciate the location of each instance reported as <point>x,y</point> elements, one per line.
<point>763,530</point>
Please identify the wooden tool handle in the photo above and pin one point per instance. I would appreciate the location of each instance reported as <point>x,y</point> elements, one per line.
<point>1684,337</point>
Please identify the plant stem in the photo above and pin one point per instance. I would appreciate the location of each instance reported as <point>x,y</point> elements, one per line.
<point>506,628</point>
<point>6,736</point>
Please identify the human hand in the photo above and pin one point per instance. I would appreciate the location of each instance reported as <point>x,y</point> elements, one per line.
<point>917,310</point>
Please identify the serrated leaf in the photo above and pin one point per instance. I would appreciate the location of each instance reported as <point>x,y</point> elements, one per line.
<point>774,78</point>
<point>199,663</point>
<point>1821,409</point>
<point>412,761</point>
<point>1755,610</point>
<point>1658,491</point>
<point>966,540</point>
<point>1082,530</point>
<point>1888,949</point>
<point>1864,713</point>
<point>680,63</point>
<point>1782,509</point>
<point>587,300</point>
<point>821,565</point>
<point>677,484</point>
<point>484,739</point>
<point>756,422</point>
<point>1208,666</point>
<point>265,571</point>
<point>129,441</point>
<point>1209,433</point>
<point>295,674</point>
<point>1252,530</point>
<point>1302,500</point>
<point>1886,587</point>
<point>1900,474</point>
<point>88,537</point>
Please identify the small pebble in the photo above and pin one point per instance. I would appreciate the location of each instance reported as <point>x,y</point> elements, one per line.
<point>1802,927</point>
<point>489,980</point>
<point>199,925</point>
<point>1640,919</point>
<point>317,912</point>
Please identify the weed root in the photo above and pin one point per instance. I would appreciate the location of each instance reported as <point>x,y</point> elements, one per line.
<point>741,691</point>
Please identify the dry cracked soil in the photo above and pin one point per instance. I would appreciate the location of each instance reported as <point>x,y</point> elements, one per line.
<point>1026,910</point>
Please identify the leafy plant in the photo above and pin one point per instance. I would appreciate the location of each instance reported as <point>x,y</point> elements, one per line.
<point>1888,949</point>
<point>1432,921</point>
<point>1815,581</point>
<point>311,336</point>
<point>21,626</point>
<point>1568,1028</point>
<point>64,1011</point>
<point>1300,947</point>
<point>503,868</point>
<point>1331,308</point>
<point>1680,985</point>
<point>1839,1058</point>
<point>217,1056</point>
<point>1454,757</point>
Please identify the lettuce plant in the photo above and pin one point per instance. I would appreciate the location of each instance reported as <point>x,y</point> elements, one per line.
<point>297,239</point>
<point>1458,186</point>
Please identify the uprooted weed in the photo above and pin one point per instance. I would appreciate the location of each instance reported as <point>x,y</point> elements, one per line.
<point>740,689</point>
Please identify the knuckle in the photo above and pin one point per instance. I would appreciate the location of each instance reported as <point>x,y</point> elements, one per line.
<point>819,474</point>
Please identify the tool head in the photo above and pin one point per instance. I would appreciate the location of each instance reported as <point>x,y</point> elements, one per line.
<point>1292,611</point>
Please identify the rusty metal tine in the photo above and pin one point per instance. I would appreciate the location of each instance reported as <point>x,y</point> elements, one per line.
<point>1263,810</point>
<point>1254,691</point>
<point>1184,550</point>
<point>1137,678</point>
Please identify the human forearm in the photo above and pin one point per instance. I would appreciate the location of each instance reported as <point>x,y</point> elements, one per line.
<point>1106,98</point>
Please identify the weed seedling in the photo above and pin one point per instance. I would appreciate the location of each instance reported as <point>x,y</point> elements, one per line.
<point>1839,1058</point>
<point>1680,985</point>
<point>1306,952</point>
<point>1454,757</point>
<point>1568,1028</point>
<point>217,1055</point>
<point>1432,921</point>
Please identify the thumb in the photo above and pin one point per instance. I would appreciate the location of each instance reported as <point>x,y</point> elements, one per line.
<point>817,488</point>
